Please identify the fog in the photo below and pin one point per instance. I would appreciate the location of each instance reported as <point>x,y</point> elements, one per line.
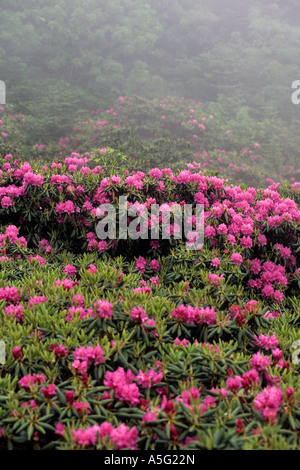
<point>62,59</point>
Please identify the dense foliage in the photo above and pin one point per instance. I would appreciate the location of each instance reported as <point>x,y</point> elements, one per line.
<point>144,344</point>
<point>58,59</point>
<point>171,132</point>
<point>149,342</point>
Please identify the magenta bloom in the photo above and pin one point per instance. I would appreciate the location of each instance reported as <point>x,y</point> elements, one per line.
<point>140,264</point>
<point>17,352</point>
<point>260,362</point>
<point>6,202</point>
<point>49,391</point>
<point>34,180</point>
<point>184,177</point>
<point>70,270</point>
<point>215,262</point>
<point>266,342</point>
<point>59,429</point>
<point>92,269</point>
<point>103,309</point>
<point>37,300</point>
<point>209,232</point>
<point>222,229</point>
<point>236,258</point>
<point>234,384</point>
<point>154,265</point>
<point>268,403</point>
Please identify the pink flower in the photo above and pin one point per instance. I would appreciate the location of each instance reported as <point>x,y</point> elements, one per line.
<point>59,429</point>
<point>246,242</point>
<point>184,342</point>
<point>222,229</point>
<point>215,262</point>
<point>121,382</point>
<point>92,269</point>
<point>209,232</point>
<point>140,264</point>
<point>41,261</point>
<point>262,240</point>
<point>250,379</point>
<point>6,202</point>
<point>214,279</point>
<point>149,378</point>
<point>15,311</point>
<point>155,281</point>
<point>32,179</point>
<point>17,353</point>
<point>70,270</point>
<point>59,351</point>
<point>30,380</point>
<point>49,391</point>
<point>138,314</point>
<point>82,407</point>
<point>234,384</point>
<point>103,309</point>
<point>236,258</point>
<point>12,233</point>
<point>65,207</point>
<point>156,173</point>
<point>184,177</point>
<point>78,300</point>
<point>37,300</point>
<point>266,342</point>
<point>154,265</point>
<point>268,403</point>
<point>9,294</point>
<point>148,417</point>
<point>260,362</point>
<point>90,355</point>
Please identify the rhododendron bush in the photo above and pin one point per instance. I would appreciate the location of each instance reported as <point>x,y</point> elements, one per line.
<point>145,344</point>
<point>170,130</point>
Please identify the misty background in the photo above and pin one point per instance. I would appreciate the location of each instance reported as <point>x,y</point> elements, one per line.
<point>60,60</point>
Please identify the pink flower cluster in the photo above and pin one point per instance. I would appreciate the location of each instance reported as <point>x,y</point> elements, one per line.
<point>271,276</point>
<point>94,245</point>
<point>66,284</point>
<point>121,437</point>
<point>266,342</point>
<point>247,381</point>
<point>36,299</point>
<point>214,279</point>
<point>103,309</point>
<point>10,294</point>
<point>33,180</point>
<point>195,315</point>
<point>70,270</point>
<point>45,246</point>
<point>140,264</point>
<point>240,314</point>
<point>149,378</point>
<point>11,237</point>
<point>122,383</point>
<point>143,287</point>
<point>85,356</point>
<point>29,381</point>
<point>66,207</point>
<point>16,312</point>
<point>191,399</point>
<point>268,402</point>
